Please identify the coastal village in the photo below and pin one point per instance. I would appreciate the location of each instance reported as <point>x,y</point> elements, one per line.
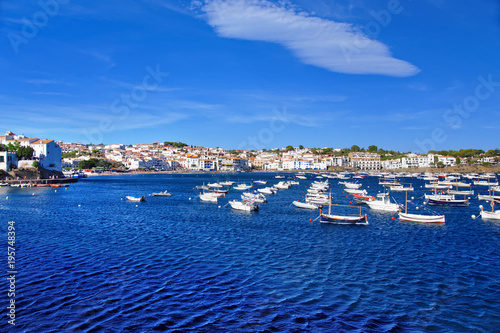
<point>174,156</point>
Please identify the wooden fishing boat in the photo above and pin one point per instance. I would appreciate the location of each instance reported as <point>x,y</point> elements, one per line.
<point>361,219</point>
<point>419,217</point>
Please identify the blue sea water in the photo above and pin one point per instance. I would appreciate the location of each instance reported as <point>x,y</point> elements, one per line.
<point>87,260</point>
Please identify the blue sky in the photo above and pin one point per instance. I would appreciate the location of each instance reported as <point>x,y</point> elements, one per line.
<point>403,75</point>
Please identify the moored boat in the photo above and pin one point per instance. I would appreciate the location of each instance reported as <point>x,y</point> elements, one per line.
<point>245,205</point>
<point>162,194</point>
<point>135,198</point>
<point>305,205</point>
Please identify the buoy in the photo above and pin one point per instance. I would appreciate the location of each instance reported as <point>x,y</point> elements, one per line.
<point>412,198</point>
<point>418,208</point>
<point>33,194</point>
<point>79,205</point>
<point>310,220</point>
<point>189,198</point>
<point>219,206</point>
<point>350,202</point>
<point>393,218</point>
<point>7,198</point>
<point>347,197</point>
<point>55,190</point>
<point>473,217</point>
<point>136,205</point>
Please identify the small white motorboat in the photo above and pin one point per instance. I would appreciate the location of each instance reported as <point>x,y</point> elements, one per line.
<point>162,194</point>
<point>245,205</point>
<point>267,190</point>
<point>135,198</point>
<point>305,205</point>
<point>208,197</point>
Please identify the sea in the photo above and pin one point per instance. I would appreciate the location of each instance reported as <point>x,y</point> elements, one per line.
<point>88,260</point>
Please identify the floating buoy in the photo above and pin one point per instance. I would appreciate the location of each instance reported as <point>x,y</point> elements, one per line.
<point>412,198</point>
<point>7,198</point>
<point>55,190</point>
<point>219,206</point>
<point>418,208</point>
<point>33,194</point>
<point>350,202</point>
<point>137,205</point>
<point>310,220</point>
<point>473,217</point>
<point>189,198</point>
<point>393,218</point>
<point>347,197</point>
<point>79,205</point>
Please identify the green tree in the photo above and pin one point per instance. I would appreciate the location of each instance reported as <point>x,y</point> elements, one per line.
<point>35,164</point>
<point>88,164</point>
<point>289,148</point>
<point>372,149</point>
<point>355,149</point>
<point>458,161</point>
<point>301,147</point>
<point>24,153</point>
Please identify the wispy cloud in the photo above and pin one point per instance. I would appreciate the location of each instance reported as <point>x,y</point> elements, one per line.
<point>42,81</point>
<point>315,41</point>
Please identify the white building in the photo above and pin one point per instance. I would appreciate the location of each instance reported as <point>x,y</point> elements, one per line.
<point>7,159</point>
<point>48,153</point>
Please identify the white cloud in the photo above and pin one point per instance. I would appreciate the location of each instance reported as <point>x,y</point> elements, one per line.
<point>337,47</point>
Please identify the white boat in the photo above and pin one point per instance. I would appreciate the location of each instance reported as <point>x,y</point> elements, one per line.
<point>456,192</point>
<point>260,182</point>
<point>135,199</point>
<point>3,184</point>
<point>242,187</point>
<point>208,197</point>
<point>245,205</point>
<point>400,188</point>
<point>353,191</point>
<point>305,205</point>
<point>254,197</point>
<point>214,185</point>
<point>279,177</point>
<point>485,183</point>
<point>226,183</point>
<point>266,190</point>
<point>493,215</point>
<point>352,185</point>
<point>283,185</point>
<point>421,218</point>
<point>302,177</point>
<point>383,203</point>
<point>162,194</point>
<point>436,186</point>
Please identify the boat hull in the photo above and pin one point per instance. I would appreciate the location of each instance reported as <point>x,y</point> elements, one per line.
<point>338,219</point>
<point>421,218</point>
<point>453,203</point>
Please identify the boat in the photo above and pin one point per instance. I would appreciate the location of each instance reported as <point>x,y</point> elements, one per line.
<point>3,184</point>
<point>202,187</point>
<point>485,183</point>
<point>242,187</point>
<point>42,185</point>
<point>283,185</point>
<point>419,217</point>
<point>301,177</point>
<point>245,205</point>
<point>266,190</point>
<point>362,198</point>
<point>162,194</point>
<point>208,197</point>
<point>493,215</point>
<point>279,177</point>
<point>214,185</point>
<point>353,191</point>
<point>342,219</point>
<point>352,185</point>
<point>400,188</point>
<point>383,203</point>
<point>227,183</point>
<point>58,185</point>
<point>436,186</point>
<point>305,205</point>
<point>135,198</point>
<point>447,200</point>
<point>260,182</point>
<point>254,197</point>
